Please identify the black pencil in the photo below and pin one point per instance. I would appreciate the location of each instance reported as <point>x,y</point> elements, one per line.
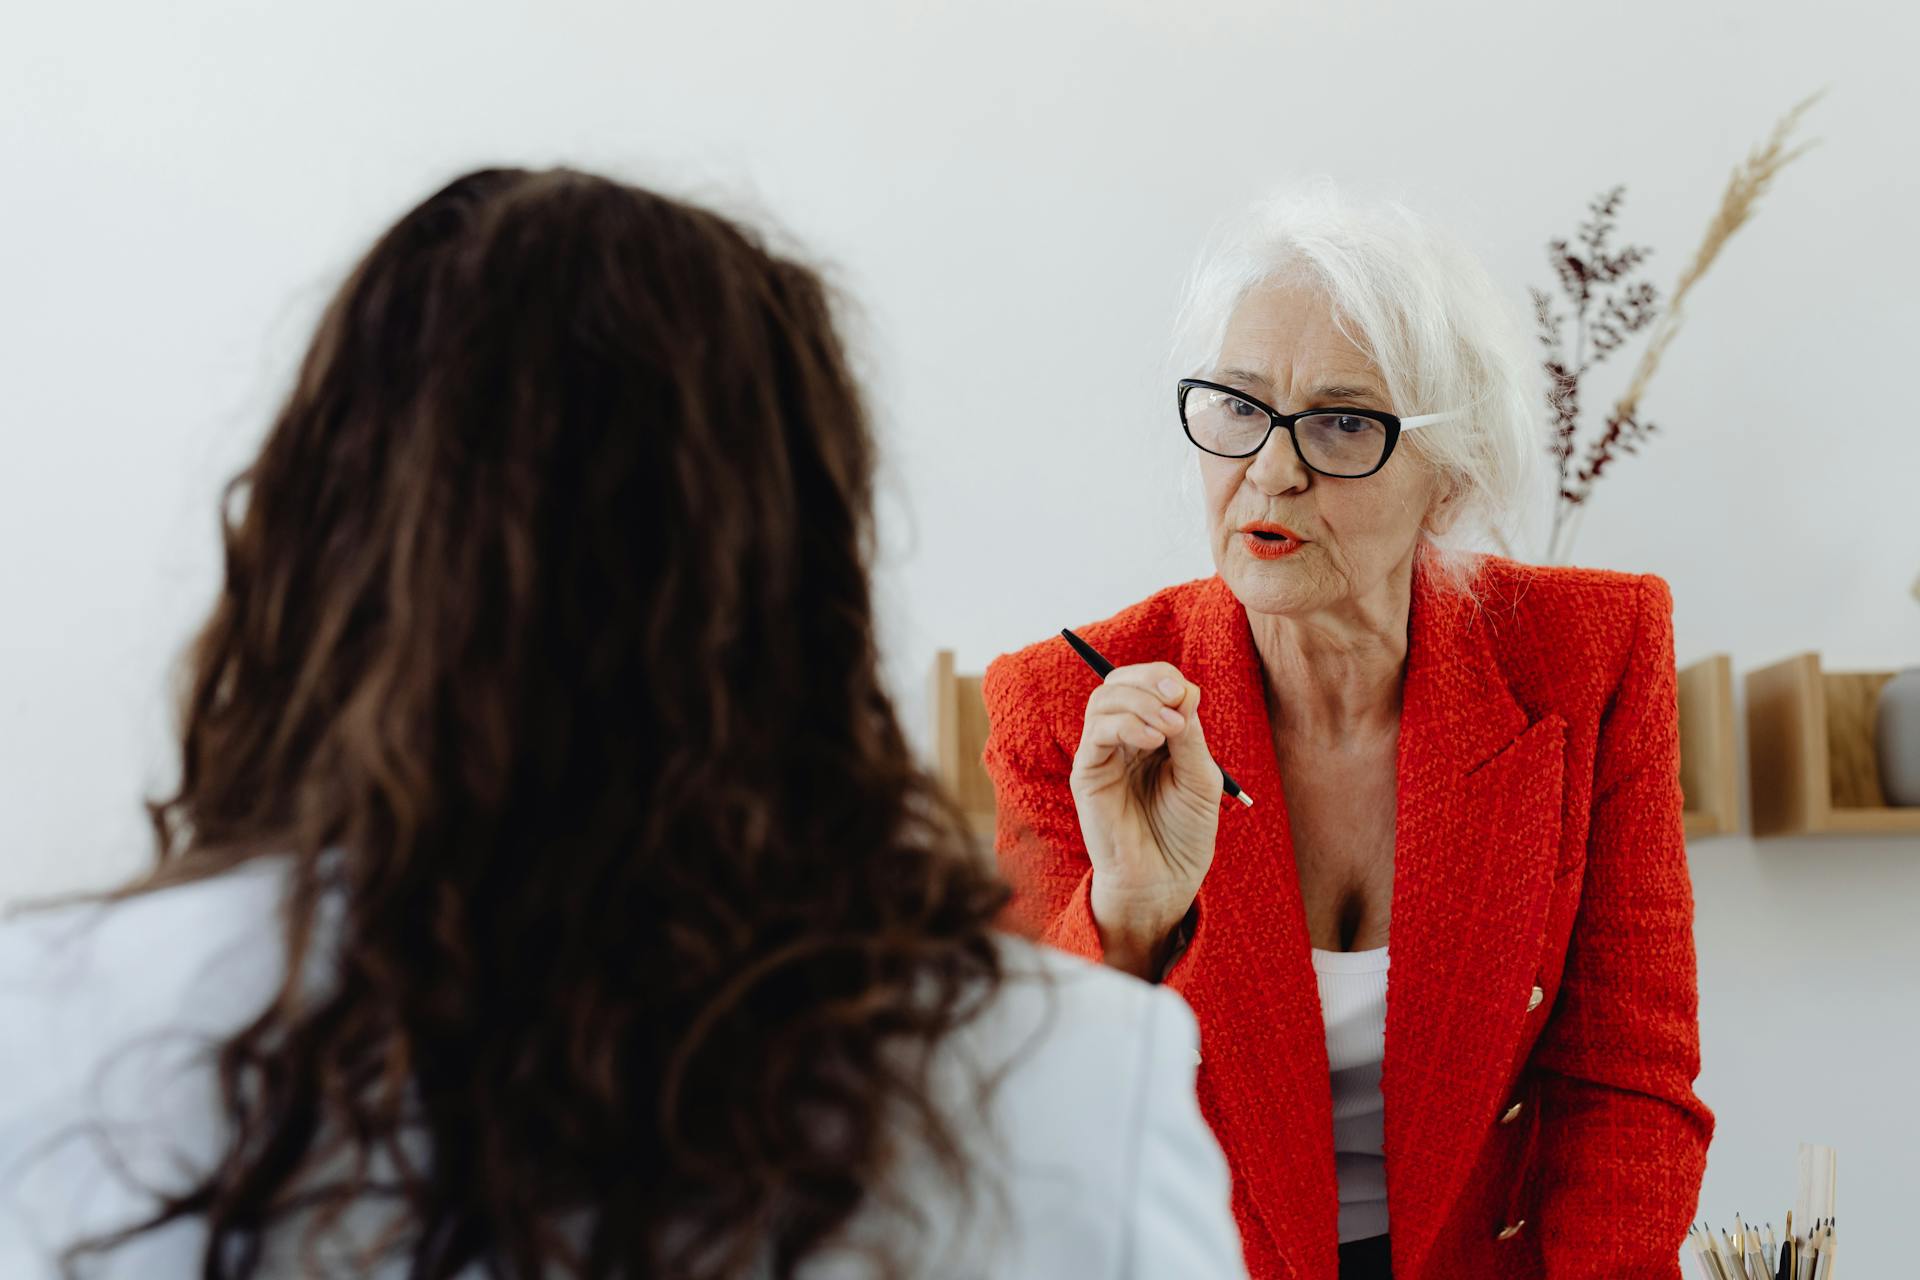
<point>1102,668</point>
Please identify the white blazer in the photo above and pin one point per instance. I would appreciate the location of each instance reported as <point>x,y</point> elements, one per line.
<point>1093,1140</point>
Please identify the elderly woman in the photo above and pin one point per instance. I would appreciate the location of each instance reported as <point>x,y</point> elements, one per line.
<point>1454,759</point>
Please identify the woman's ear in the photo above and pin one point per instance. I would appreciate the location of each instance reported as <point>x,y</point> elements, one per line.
<point>1444,508</point>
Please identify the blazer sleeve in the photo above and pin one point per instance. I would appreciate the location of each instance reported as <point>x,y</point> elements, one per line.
<point>1179,1204</point>
<point>1623,1139</point>
<point>1037,837</point>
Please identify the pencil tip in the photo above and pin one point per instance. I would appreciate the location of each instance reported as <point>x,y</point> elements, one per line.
<point>1246,800</point>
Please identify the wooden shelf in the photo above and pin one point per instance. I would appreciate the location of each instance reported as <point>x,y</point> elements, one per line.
<point>1811,753</point>
<point>959,736</point>
<point>1707,748</point>
<point>1706,745</point>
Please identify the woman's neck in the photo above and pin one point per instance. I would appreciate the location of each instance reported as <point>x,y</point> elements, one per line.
<point>1335,676</point>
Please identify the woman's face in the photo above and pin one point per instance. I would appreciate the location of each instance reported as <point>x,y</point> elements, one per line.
<point>1348,536</point>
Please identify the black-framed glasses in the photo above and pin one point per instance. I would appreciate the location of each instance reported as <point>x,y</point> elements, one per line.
<point>1347,444</point>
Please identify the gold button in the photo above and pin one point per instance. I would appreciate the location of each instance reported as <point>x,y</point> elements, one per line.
<point>1535,1000</point>
<point>1513,1230</point>
<point>1513,1113</point>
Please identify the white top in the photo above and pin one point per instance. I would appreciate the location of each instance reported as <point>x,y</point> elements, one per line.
<point>1353,999</point>
<point>1094,1133</point>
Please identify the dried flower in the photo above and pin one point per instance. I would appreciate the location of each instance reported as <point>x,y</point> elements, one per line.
<point>1607,304</point>
<point>1599,282</point>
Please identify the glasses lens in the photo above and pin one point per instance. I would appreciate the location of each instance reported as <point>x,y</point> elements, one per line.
<point>1341,444</point>
<point>1222,423</point>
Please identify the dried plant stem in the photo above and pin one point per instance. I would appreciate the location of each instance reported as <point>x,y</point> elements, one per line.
<point>1749,182</point>
<point>1744,189</point>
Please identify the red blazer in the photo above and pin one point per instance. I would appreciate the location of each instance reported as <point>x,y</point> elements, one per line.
<point>1542,927</point>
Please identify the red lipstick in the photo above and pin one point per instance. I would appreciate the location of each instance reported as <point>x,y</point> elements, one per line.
<point>1265,540</point>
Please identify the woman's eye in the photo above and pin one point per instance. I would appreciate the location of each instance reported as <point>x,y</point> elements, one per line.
<point>1241,409</point>
<point>1352,425</point>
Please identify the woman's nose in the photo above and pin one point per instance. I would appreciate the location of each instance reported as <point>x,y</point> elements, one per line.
<point>1277,469</point>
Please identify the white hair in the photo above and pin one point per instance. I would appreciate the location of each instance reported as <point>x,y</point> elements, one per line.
<point>1428,315</point>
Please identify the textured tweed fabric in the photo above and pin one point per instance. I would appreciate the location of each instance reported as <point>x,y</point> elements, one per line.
<point>1538,844</point>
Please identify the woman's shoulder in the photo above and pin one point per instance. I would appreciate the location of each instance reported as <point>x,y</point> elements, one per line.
<point>1075,1042</point>
<point>146,949</point>
<point>1149,630</point>
<point>201,956</point>
<point>1063,1004</point>
<point>1566,638</point>
<point>1499,581</point>
<point>79,982</point>
<point>1087,1073</point>
<point>111,1008</point>
<point>1566,607</point>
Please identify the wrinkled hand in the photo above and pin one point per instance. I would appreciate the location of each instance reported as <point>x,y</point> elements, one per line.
<point>1148,796</point>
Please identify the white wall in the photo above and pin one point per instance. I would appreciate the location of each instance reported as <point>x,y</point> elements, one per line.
<point>1013,191</point>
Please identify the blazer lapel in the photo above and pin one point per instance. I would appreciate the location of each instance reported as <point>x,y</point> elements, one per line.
<point>1477,829</point>
<point>1251,980</point>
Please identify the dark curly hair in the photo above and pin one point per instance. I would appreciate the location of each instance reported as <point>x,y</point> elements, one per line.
<point>621,924</point>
